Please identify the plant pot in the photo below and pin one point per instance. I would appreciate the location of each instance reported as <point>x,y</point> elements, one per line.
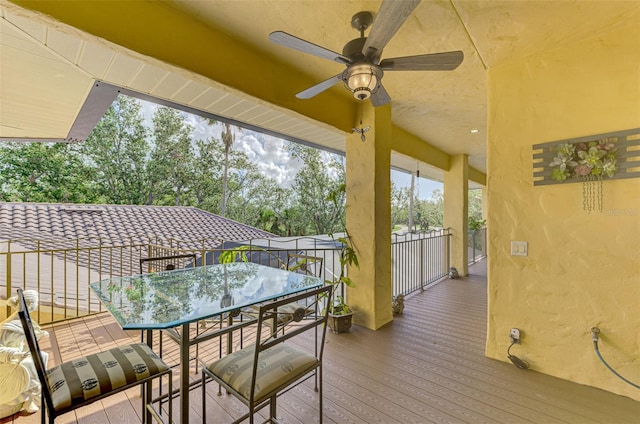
<point>340,323</point>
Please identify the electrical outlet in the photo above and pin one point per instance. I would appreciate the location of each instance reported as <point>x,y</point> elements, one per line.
<point>514,335</point>
<point>519,248</point>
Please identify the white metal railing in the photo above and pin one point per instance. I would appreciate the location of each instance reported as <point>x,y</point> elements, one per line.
<point>62,270</point>
<point>477,245</point>
<point>419,259</point>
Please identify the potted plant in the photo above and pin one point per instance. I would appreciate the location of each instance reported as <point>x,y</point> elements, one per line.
<point>340,313</point>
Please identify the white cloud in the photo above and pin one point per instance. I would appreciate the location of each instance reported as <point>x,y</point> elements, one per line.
<point>249,144</point>
<point>201,128</point>
<point>270,155</point>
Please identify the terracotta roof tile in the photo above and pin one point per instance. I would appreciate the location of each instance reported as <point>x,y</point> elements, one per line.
<point>119,223</point>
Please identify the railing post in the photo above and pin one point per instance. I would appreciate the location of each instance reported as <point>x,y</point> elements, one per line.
<point>484,242</point>
<point>9,288</point>
<point>475,233</point>
<point>448,252</point>
<point>423,260</point>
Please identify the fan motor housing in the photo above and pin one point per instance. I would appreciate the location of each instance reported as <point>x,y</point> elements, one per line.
<point>353,49</point>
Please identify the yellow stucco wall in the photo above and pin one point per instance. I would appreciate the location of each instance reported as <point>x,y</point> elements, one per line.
<point>583,270</point>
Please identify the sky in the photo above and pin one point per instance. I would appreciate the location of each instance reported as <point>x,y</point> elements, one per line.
<point>270,156</point>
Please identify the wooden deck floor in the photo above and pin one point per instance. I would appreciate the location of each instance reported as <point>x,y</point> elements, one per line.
<point>428,366</point>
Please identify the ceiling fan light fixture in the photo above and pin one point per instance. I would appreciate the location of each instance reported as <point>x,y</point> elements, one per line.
<point>362,79</point>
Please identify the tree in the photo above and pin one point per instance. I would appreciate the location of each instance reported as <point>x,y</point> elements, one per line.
<point>399,205</point>
<point>475,220</point>
<point>207,174</point>
<point>44,172</point>
<point>320,176</point>
<point>116,153</point>
<point>432,210</point>
<point>291,222</point>
<point>171,163</point>
<point>475,204</point>
<point>228,137</point>
<point>247,189</point>
<point>248,192</point>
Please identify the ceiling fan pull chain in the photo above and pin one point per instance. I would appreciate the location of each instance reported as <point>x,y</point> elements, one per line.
<point>362,129</point>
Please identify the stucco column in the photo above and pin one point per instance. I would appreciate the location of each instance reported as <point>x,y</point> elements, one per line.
<point>456,207</point>
<point>369,217</point>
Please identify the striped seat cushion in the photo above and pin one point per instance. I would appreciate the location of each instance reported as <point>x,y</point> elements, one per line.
<point>85,378</point>
<point>278,366</point>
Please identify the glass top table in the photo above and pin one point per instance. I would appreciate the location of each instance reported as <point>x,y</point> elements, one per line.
<point>171,298</point>
<point>175,299</point>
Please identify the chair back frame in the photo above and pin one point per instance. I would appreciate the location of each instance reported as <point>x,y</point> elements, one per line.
<point>268,315</point>
<point>34,347</point>
<point>166,258</point>
<point>303,262</point>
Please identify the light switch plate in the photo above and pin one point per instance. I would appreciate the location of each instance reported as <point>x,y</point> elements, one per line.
<point>519,248</point>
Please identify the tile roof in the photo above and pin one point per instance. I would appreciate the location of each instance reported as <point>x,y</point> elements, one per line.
<point>115,224</point>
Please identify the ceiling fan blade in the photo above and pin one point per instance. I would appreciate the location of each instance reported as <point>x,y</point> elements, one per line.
<point>292,42</point>
<point>320,87</point>
<point>445,61</point>
<point>380,97</point>
<point>390,18</point>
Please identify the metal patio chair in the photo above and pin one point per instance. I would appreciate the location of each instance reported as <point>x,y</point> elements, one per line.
<point>259,373</point>
<point>87,379</point>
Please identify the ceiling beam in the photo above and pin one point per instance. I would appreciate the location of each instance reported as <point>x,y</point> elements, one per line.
<point>409,145</point>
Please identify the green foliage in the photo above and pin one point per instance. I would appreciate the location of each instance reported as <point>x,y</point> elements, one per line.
<point>586,160</point>
<point>339,307</point>
<point>399,205</point>
<point>238,254</point>
<point>347,257</point>
<point>475,210</point>
<point>115,152</point>
<point>44,172</point>
<point>428,213</point>
<point>476,224</point>
<point>319,178</point>
<point>171,163</point>
<point>431,211</point>
<point>206,188</point>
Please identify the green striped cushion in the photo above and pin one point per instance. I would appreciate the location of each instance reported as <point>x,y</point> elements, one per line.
<point>278,366</point>
<point>90,376</point>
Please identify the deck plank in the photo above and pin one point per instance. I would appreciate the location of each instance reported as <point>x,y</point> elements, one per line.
<point>427,366</point>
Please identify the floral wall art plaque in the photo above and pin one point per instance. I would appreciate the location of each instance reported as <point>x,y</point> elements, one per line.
<point>588,160</point>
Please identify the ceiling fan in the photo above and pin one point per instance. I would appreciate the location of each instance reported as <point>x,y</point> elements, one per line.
<point>362,55</point>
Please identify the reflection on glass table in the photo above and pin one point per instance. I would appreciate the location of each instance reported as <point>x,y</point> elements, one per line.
<point>173,300</point>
